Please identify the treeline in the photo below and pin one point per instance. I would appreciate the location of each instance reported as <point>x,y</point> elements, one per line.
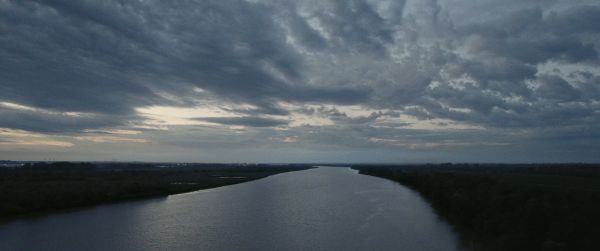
<point>41,187</point>
<point>504,207</point>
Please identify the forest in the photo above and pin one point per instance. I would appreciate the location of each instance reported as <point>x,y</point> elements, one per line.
<point>36,188</point>
<point>510,207</point>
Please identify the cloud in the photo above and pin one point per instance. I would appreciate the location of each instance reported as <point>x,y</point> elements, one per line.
<point>340,117</point>
<point>245,121</point>
<point>45,121</point>
<point>556,88</point>
<point>532,36</point>
<point>526,68</point>
<point>112,57</point>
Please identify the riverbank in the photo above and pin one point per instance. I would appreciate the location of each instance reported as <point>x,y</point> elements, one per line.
<point>510,207</point>
<point>47,187</point>
<point>320,209</point>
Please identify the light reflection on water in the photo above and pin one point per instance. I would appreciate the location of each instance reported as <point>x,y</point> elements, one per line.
<point>328,208</point>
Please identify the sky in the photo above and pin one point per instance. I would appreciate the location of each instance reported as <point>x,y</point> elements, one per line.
<point>364,81</point>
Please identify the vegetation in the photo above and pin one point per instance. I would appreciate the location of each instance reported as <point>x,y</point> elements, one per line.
<point>510,207</point>
<point>40,187</point>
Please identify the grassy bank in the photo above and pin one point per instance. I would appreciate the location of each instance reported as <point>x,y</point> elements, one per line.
<point>43,187</point>
<point>510,207</point>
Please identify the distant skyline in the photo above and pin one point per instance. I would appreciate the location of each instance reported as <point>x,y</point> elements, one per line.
<point>300,80</point>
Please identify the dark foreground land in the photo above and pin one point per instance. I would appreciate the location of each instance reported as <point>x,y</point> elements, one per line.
<point>42,187</point>
<point>510,207</point>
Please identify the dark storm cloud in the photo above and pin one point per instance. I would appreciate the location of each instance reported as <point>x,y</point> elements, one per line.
<point>556,88</point>
<point>44,122</point>
<point>56,58</point>
<point>526,68</point>
<point>245,121</point>
<point>342,118</point>
<point>110,57</point>
<point>356,26</point>
<point>265,108</point>
<point>299,28</point>
<point>511,70</point>
<point>534,37</point>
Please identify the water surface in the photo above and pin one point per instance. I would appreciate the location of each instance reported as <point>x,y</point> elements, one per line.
<point>328,208</point>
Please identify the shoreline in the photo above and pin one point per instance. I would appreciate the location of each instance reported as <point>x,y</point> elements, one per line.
<point>32,192</point>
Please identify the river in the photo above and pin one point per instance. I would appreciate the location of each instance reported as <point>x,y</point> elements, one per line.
<point>327,208</point>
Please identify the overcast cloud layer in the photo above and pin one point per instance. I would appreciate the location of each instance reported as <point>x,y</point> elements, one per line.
<point>300,81</point>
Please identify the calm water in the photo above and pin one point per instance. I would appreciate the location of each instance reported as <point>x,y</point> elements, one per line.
<point>327,208</point>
